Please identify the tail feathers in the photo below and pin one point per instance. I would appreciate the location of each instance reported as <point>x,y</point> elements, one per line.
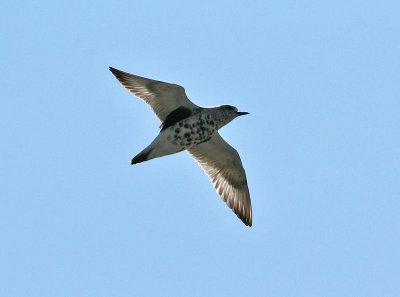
<point>141,157</point>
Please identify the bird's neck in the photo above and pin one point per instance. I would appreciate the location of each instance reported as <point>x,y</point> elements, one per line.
<point>219,117</point>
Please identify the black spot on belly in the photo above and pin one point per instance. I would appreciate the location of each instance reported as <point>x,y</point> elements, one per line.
<point>186,126</point>
<point>189,139</point>
<point>177,130</point>
<point>187,134</point>
<point>176,116</point>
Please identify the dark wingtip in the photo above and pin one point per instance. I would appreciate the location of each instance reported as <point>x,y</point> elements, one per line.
<point>247,222</point>
<point>113,70</point>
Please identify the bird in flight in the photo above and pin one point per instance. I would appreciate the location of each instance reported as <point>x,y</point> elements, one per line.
<point>186,126</point>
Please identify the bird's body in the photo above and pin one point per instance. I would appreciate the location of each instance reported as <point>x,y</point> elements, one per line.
<point>185,129</point>
<point>186,126</point>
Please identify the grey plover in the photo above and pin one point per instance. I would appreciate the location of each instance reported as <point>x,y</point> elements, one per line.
<point>186,126</point>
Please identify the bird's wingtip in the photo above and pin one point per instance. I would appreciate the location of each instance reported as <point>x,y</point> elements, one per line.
<point>247,222</point>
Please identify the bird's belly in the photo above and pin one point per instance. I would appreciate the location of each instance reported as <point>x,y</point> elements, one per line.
<point>191,131</point>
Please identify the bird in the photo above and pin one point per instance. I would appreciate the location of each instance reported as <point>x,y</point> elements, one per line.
<point>187,126</point>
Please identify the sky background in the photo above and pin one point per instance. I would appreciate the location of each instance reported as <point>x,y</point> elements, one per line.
<point>321,148</point>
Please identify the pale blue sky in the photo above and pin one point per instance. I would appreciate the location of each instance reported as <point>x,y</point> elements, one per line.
<point>321,147</point>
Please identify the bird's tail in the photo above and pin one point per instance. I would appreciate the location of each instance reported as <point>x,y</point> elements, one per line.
<point>158,148</point>
<point>142,156</point>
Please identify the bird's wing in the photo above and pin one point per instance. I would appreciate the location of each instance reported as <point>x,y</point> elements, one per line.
<point>223,166</point>
<point>162,97</point>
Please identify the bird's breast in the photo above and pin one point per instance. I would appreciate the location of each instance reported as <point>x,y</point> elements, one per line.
<point>192,131</point>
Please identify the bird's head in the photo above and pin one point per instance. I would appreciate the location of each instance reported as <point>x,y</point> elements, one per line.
<point>232,112</point>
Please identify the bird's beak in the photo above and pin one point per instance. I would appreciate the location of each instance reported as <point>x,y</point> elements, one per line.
<point>240,113</point>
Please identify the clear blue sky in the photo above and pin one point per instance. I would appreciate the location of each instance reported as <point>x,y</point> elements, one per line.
<point>321,148</point>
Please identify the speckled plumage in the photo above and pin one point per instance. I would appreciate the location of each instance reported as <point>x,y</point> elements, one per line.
<point>193,130</point>
<point>186,126</point>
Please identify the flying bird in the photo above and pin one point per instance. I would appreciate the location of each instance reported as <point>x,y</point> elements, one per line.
<point>187,126</point>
